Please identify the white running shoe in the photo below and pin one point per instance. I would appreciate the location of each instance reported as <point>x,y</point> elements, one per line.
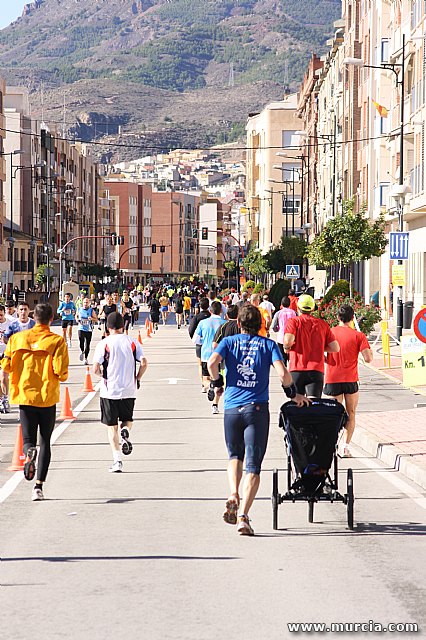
<point>215,409</point>
<point>86,361</point>
<point>116,467</point>
<point>203,389</point>
<point>37,494</point>
<point>81,356</point>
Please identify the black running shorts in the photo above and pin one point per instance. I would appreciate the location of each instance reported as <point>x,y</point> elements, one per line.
<point>114,410</point>
<point>204,370</point>
<point>198,351</point>
<point>335,389</point>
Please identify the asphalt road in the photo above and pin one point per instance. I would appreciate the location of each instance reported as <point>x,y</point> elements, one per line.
<point>145,554</point>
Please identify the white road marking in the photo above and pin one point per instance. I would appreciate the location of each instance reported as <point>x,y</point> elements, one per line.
<point>173,380</point>
<point>10,485</point>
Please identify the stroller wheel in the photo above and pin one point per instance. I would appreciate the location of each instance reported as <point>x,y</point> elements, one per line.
<point>350,499</point>
<point>311,510</point>
<point>275,499</point>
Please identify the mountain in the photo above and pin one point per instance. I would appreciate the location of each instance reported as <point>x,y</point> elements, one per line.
<point>163,72</point>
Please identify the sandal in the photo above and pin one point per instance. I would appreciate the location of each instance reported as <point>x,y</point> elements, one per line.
<point>232,504</point>
<point>244,526</point>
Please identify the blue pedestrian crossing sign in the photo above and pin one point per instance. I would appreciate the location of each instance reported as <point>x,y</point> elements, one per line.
<point>398,245</point>
<point>292,271</point>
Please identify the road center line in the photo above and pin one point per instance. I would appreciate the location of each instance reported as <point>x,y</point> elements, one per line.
<point>10,485</point>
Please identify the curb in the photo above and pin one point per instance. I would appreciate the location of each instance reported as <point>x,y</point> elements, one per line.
<point>391,455</point>
<point>389,377</point>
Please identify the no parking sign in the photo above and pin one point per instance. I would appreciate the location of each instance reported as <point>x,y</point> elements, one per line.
<point>419,325</point>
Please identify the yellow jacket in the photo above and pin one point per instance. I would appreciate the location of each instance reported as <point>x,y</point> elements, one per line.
<point>37,360</point>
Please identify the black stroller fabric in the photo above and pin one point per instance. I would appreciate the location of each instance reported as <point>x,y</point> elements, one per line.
<point>312,433</point>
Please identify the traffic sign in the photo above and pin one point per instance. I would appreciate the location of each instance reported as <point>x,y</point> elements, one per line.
<point>398,275</point>
<point>398,245</point>
<point>419,325</point>
<point>413,361</point>
<point>292,271</point>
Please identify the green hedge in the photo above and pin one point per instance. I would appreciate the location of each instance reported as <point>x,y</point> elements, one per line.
<point>339,288</point>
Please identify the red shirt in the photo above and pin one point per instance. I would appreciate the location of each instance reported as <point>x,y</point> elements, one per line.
<point>343,366</point>
<point>293,303</point>
<point>312,335</point>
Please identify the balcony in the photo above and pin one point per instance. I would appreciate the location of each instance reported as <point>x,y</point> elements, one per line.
<point>20,266</point>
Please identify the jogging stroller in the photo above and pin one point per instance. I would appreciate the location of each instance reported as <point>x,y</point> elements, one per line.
<point>311,436</point>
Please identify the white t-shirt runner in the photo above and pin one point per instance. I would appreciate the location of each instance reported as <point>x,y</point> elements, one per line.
<point>121,369</point>
<point>3,327</point>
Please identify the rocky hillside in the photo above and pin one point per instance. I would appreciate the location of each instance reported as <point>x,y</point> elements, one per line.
<point>170,69</point>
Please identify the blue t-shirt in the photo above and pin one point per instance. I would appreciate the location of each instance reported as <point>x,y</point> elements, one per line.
<point>18,326</point>
<point>247,359</point>
<point>206,330</point>
<point>65,310</point>
<point>85,322</point>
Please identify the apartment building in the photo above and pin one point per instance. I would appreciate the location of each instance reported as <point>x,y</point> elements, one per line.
<point>3,253</point>
<point>274,166</point>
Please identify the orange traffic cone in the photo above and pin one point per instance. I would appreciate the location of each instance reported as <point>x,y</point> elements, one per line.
<point>66,412</point>
<point>139,337</point>
<point>151,326</point>
<point>146,322</point>
<point>88,385</point>
<point>148,331</point>
<point>18,453</point>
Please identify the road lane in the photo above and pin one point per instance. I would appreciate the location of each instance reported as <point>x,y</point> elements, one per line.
<point>147,555</point>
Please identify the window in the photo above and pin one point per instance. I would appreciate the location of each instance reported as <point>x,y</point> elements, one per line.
<point>383,194</point>
<point>384,51</point>
<point>290,139</point>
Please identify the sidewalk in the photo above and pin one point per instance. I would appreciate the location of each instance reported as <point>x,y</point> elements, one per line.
<point>397,437</point>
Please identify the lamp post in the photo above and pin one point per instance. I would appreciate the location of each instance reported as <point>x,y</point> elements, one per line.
<point>399,70</point>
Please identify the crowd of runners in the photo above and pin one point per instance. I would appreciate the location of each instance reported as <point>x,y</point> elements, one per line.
<point>237,339</point>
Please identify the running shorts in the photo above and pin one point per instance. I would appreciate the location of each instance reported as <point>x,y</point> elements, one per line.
<point>114,410</point>
<point>334,389</point>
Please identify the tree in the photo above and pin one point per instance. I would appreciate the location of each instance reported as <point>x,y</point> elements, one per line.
<point>41,275</point>
<point>255,263</point>
<point>230,266</point>
<point>348,238</point>
<point>291,250</point>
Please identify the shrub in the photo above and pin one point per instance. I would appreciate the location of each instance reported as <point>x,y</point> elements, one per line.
<point>278,291</point>
<point>341,286</point>
<point>366,315</point>
<point>258,288</point>
<point>250,284</point>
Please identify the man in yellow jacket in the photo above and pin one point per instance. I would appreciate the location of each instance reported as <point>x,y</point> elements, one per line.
<point>37,361</point>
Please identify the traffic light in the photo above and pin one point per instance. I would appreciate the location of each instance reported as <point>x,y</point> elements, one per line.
<point>205,233</point>
<point>120,239</point>
<point>153,248</point>
<point>162,249</point>
<point>195,233</point>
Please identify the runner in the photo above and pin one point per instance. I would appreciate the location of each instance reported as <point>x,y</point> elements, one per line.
<point>248,358</point>
<point>22,323</point>
<point>164,307</point>
<point>341,371</point>
<point>127,307</point>
<point>67,311</point>
<point>4,326</point>
<point>279,323</point>
<point>265,315</point>
<point>266,304</point>
<point>36,360</point>
<point>307,338</point>
<point>186,308</point>
<point>293,299</point>
<point>11,313</point>
<point>204,335</point>
<point>115,360</point>
<point>107,308</point>
<point>229,328</point>
<point>154,309</point>
<point>179,309</point>
<point>86,317</point>
<point>203,314</point>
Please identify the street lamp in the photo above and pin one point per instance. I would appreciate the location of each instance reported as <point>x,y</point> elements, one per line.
<point>399,70</point>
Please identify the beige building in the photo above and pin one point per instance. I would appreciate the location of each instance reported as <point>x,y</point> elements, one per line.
<point>273,190</point>
<point>3,252</point>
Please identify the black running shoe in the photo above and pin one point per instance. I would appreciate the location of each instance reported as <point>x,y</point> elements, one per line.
<point>29,464</point>
<point>126,445</point>
<point>210,394</point>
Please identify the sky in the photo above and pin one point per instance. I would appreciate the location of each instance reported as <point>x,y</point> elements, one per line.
<point>10,10</point>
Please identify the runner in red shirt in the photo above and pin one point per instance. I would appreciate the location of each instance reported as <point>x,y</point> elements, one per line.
<point>307,338</point>
<point>341,373</point>
<point>293,299</point>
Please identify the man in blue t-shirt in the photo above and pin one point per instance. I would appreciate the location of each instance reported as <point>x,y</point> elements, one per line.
<point>22,323</point>
<point>86,317</point>
<point>204,336</point>
<point>248,358</point>
<point>67,311</point>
